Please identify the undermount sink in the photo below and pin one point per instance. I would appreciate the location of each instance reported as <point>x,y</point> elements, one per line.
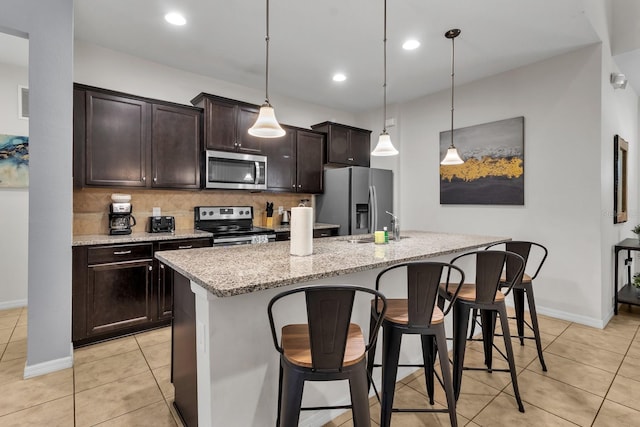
<point>369,239</point>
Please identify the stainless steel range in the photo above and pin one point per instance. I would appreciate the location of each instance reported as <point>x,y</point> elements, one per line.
<point>231,225</point>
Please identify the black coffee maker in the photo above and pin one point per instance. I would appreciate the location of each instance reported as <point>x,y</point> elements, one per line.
<point>120,218</point>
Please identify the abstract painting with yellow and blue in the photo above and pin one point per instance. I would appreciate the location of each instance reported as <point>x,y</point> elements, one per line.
<point>493,168</point>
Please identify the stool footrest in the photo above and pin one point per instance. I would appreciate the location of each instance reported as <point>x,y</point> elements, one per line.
<point>445,410</point>
<point>321,408</point>
<point>467,368</point>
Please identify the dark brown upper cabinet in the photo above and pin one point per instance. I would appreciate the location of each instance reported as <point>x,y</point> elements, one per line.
<point>122,140</point>
<point>295,161</point>
<point>226,124</point>
<point>175,147</point>
<point>346,145</point>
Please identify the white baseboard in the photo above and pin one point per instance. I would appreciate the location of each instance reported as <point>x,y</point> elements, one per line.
<point>5,305</point>
<point>49,366</point>
<point>571,317</point>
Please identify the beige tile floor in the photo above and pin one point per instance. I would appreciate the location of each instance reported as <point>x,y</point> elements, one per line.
<point>593,379</point>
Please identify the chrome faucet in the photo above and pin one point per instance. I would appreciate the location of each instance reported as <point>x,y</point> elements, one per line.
<point>395,226</point>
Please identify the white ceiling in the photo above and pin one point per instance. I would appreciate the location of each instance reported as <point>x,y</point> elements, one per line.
<point>310,40</point>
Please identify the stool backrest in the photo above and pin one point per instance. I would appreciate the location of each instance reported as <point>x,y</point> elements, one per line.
<point>489,266</point>
<point>423,281</point>
<point>329,310</point>
<point>329,314</point>
<point>524,248</point>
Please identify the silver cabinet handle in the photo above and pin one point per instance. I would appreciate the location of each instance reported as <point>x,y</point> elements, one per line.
<point>144,178</point>
<point>324,234</point>
<point>155,179</point>
<point>161,266</point>
<point>293,186</point>
<point>122,252</point>
<point>150,268</point>
<point>185,247</point>
<point>239,144</point>
<point>350,159</point>
<point>299,185</point>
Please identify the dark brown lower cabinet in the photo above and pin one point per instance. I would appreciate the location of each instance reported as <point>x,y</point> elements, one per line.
<point>317,233</point>
<point>165,278</point>
<point>118,296</point>
<point>121,289</point>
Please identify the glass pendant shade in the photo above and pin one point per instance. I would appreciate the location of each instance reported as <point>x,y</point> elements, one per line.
<point>384,146</point>
<point>452,157</point>
<point>266,126</point>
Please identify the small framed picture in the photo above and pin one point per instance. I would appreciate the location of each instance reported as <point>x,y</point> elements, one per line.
<point>23,102</point>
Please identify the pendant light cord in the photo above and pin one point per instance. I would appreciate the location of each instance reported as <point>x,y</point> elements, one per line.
<point>453,54</point>
<point>266,85</point>
<point>384,85</point>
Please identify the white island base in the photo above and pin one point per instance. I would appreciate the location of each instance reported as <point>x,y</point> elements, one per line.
<point>237,364</point>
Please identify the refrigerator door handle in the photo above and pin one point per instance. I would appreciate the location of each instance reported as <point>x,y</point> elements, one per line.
<point>374,208</point>
<point>370,230</point>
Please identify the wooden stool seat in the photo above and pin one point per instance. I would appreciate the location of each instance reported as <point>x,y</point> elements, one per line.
<point>297,346</point>
<point>398,312</point>
<point>468,292</point>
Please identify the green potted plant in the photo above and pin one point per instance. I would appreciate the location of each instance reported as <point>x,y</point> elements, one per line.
<point>636,231</point>
<point>635,283</point>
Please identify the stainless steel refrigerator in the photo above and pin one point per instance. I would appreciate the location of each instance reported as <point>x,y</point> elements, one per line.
<point>356,198</point>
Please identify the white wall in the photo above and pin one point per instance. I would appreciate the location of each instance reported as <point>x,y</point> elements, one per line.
<point>560,100</point>
<point>619,115</point>
<point>97,66</point>
<point>49,27</point>
<point>14,202</point>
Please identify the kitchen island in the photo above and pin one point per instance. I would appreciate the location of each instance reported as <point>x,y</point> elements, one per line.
<point>220,308</point>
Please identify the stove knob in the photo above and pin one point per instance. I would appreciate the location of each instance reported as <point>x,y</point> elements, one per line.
<point>204,213</point>
<point>211,213</point>
<point>246,212</point>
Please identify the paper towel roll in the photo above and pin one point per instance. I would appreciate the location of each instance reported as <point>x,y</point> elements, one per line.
<point>301,231</point>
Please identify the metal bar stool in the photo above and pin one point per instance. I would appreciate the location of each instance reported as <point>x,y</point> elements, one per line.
<point>416,314</point>
<point>328,347</point>
<point>484,295</point>
<point>525,287</point>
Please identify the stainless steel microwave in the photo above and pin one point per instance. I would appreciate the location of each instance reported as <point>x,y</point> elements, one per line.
<point>235,171</point>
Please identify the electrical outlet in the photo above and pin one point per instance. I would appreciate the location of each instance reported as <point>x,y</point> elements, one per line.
<point>280,210</point>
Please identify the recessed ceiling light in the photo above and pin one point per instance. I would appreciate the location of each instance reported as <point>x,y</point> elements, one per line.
<point>339,77</point>
<point>411,44</point>
<point>175,18</point>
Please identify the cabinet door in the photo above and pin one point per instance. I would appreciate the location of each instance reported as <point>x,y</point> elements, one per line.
<point>247,116</point>
<point>117,137</point>
<point>165,277</point>
<point>220,125</point>
<point>310,149</point>
<point>175,147</point>
<point>338,150</point>
<point>281,162</point>
<point>360,145</point>
<point>118,296</point>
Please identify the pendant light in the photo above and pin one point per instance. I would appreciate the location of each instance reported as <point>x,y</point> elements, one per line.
<point>384,146</point>
<point>266,126</point>
<point>452,157</point>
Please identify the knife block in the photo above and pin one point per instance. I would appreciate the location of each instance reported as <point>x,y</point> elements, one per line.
<point>267,221</point>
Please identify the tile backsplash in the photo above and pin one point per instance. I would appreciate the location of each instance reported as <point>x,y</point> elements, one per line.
<point>91,205</point>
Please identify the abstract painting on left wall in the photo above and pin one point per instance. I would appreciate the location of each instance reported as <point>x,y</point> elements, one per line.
<point>14,161</point>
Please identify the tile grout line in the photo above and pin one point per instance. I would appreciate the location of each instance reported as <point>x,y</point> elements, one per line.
<point>614,379</point>
<point>164,399</point>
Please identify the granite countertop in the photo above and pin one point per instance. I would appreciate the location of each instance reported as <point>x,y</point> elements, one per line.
<point>105,239</point>
<point>266,266</point>
<point>316,226</point>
